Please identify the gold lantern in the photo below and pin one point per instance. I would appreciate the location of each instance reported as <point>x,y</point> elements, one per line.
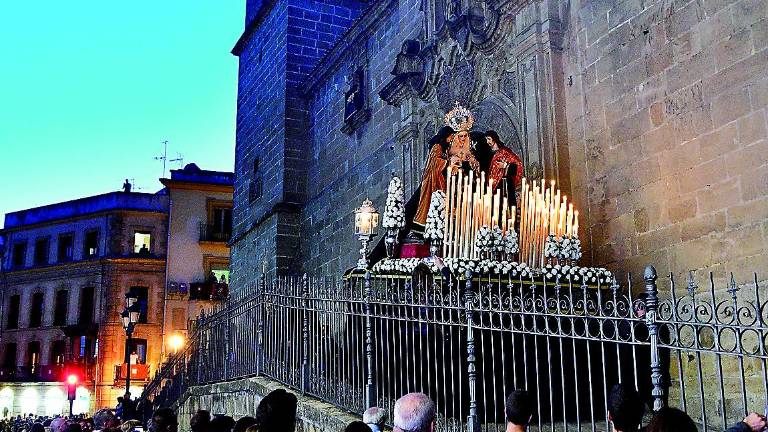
<point>366,226</point>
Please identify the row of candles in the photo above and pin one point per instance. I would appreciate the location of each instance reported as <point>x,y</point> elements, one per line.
<point>543,212</point>
<point>471,203</point>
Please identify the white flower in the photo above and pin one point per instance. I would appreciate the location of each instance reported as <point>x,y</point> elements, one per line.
<point>434,229</point>
<point>575,252</point>
<point>394,209</point>
<point>551,247</point>
<point>484,239</point>
<point>510,243</point>
<point>498,239</point>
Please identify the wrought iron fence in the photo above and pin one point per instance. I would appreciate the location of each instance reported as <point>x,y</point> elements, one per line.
<point>366,340</point>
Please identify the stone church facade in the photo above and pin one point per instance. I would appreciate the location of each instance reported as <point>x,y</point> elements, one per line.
<point>650,114</point>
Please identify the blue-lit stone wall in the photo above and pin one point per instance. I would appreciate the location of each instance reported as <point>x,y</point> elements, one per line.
<point>345,168</point>
<point>280,47</point>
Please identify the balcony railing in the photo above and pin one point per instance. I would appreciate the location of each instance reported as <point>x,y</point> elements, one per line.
<point>213,233</point>
<point>45,373</point>
<point>208,291</point>
<point>139,372</point>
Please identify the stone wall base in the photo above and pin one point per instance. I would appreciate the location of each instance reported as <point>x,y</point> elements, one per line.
<point>239,398</point>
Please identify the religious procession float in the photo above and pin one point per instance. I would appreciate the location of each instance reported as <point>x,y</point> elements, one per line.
<point>475,211</point>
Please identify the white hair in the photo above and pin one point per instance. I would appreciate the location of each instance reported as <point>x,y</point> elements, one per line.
<point>414,412</point>
<point>374,415</point>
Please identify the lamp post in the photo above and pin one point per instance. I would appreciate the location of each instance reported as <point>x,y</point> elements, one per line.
<point>176,342</point>
<point>129,318</point>
<point>366,226</point>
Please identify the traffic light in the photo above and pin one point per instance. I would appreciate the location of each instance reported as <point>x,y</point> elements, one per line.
<point>72,381</point>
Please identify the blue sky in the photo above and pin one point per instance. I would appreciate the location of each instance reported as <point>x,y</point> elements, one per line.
<point>90,89</point>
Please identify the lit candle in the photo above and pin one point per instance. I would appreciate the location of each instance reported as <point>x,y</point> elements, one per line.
<point>547,201</point>
<point>504,215</point>
<point>552,216</point>
<point>569,220</point>
<point>475,216</point>
<point>467,216</point>
<point>563,208</point>
<point>455,212</point>
<point>522,223</point>
<point>459,213</point>
<point>447,213</point>
<point>494,207</point>
<point>552,189</point>
<point>557,213</point>
<point>576,223</point>
<point>482,197</point>
<point>470,206</point>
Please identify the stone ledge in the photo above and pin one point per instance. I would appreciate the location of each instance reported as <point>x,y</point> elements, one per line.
<point>241,397</point>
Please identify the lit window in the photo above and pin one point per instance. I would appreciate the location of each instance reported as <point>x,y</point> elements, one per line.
<point>91,244</point>
<point>142,242</point>
<point>222,276</point>
<point>83,346</point>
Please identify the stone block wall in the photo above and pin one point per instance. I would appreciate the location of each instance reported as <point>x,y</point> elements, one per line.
<point>241,398</point>
<point>282,43</point>
<point>666,114</point>
<point>346,168</point>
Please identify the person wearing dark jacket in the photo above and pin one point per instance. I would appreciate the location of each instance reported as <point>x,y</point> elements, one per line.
<point>625,408</point>
<point>754,422</point>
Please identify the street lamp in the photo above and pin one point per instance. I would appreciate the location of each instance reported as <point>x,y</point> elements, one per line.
<point>129,317</point>
<point>176,341</point>
<point>366,226</point>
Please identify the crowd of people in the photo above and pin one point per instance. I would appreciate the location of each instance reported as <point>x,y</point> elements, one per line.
<point>414,412</point>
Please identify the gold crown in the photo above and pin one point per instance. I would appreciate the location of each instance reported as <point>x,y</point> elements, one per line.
<point>459,118</point>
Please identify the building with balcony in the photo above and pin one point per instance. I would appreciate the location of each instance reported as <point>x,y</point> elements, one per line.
<point>66,270</point>
<point>67,267</point>
<point>200,225</point>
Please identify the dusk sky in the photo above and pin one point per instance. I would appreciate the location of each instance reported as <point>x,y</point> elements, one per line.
<point>90,89</point>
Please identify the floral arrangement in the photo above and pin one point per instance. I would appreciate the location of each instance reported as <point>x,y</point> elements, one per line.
<point>484,240</point>
<point>575,249</point>
<point>551,248</point>
<point>498,240</point>
<point>511,246</point>
<point>401,266</point>
<point>434,230</point>
<point>564,254</point>
<point>567,273</point>
<point>394,209</point>
<point>457,266</point>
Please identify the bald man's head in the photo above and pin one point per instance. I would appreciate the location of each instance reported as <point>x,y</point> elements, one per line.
<point>414,412</point>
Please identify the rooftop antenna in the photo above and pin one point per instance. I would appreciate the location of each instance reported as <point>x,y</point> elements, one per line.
<point>164,156</point>
<point>179,158</point>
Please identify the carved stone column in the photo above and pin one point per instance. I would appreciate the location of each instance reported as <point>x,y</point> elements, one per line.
<point>401,91</point>
<point>408,139</point>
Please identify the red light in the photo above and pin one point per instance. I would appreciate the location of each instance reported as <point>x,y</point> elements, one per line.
<point>72,379</point>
